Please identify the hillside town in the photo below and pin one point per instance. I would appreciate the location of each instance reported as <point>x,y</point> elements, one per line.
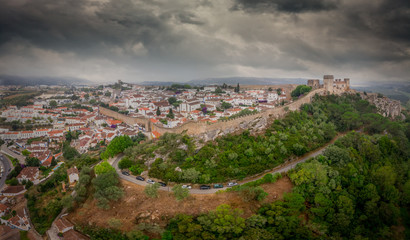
<point>39,128</point>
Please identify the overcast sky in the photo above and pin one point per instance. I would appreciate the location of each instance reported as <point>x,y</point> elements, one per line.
<point>181,40</point>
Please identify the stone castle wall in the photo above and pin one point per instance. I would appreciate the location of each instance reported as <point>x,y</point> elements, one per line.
<point>144,122</point>
<point>198,128</point>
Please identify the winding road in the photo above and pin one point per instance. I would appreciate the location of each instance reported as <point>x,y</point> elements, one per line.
<point>5,164</point>
<point>279,169</point>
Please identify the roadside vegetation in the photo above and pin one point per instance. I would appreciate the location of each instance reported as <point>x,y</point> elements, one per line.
<point>358,189</point>
<point>177,157</point>
<point>45,201</point>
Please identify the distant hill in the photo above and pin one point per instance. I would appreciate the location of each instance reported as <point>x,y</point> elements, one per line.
<point>155,83</point>
<point>30,81</point>
<point>248,81</point>
<point>398,91</point>
<point>233,81</point>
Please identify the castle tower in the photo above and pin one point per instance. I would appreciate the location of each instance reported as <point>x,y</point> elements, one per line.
<point>347,81</point>
<point>314,83</point>
<point>328,83</point>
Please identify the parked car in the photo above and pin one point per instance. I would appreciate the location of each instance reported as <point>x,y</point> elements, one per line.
<point>231,184</point>
<point>140,178</point>
<point>126,173</point>
<point>186,186</point>
<point>218,185</point>
<point>204,187</point>
<point>150,181</point>
<point>162,184</point>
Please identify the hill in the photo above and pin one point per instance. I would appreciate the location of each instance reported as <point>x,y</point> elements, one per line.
<point>32,81</point>
<point>232,81</point>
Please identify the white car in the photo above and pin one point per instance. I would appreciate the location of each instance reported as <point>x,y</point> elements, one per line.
<point>231,184</point>
<point>186,186</point>
<point>150,181</point>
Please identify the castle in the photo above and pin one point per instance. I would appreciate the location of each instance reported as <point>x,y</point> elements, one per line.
<point>330,84</point>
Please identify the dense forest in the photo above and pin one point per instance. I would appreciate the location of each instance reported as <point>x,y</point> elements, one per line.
<point>358,189</point>
<point>238,156</point>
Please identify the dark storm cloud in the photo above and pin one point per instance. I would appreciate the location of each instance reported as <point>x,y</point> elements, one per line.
<point>139,40</point>
<point>390,19</point>
<point>289,6</point>
<point>67,26</point>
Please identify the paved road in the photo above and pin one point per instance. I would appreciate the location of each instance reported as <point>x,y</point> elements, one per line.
<point>5,163</point>
<point>280,169</point>
<point>6,150</point>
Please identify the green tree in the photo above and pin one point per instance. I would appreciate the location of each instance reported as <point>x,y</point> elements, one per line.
<point>53,104</point>
<point>170,114</point>
<point>191,175</point>
<point>336,155</point>
<point>172,100</point>
<point>124,163</point>
<point>106,189</point>
<point>26,152</point>
<point>226,105</point>
<point>300,90</point>
<point>179,192</point>
<point>103,167</point>
<point>117,145</point>
<point>151,190</point>
<point>29,184</point>
<point>114,223</point>
<point>224,222</point>
<point>69,152</point>
<point>67,202</point>
<point>158,111</point>
<point>32,162</point>
<point>253,193</point>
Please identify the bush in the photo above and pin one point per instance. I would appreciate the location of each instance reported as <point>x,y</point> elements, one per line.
<point>103,167</point>
<point>179,192</point>
<point>151,190</point>
<point>12,182</point>
<point>114,223</point>
<point>136,170</point>
<point>117,145</point>
<point>125,163</point>
<point>253,193</point>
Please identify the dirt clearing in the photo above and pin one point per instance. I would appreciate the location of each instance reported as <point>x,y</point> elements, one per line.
<point>135,207</point>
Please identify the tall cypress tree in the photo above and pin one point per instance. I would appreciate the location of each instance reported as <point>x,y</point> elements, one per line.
<point>170,114</point>
<point>158,112</point>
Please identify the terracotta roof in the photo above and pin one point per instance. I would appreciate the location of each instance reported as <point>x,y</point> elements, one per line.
<point>3,207</point>
<point>156,134</point>
<point>72,170</point>
<point>62,224</point>
<point>47,162</point>
<point>13,189</point>
<point>29,172</point>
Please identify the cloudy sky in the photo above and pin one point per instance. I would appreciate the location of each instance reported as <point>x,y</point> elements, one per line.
<point>181,40</point>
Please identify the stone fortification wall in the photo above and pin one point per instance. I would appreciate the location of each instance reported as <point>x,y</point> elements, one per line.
<point>255,121</point>
<point>210,131</point>
<point>143,122</point>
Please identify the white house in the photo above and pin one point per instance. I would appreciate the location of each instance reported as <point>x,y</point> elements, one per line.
<point>189,106</point>
<point>28,173</point>
<point>72,175</point>
<point>3,209</point>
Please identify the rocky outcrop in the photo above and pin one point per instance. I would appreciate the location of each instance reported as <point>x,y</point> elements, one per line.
<point>385,106</point>
<point>254,126</point>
